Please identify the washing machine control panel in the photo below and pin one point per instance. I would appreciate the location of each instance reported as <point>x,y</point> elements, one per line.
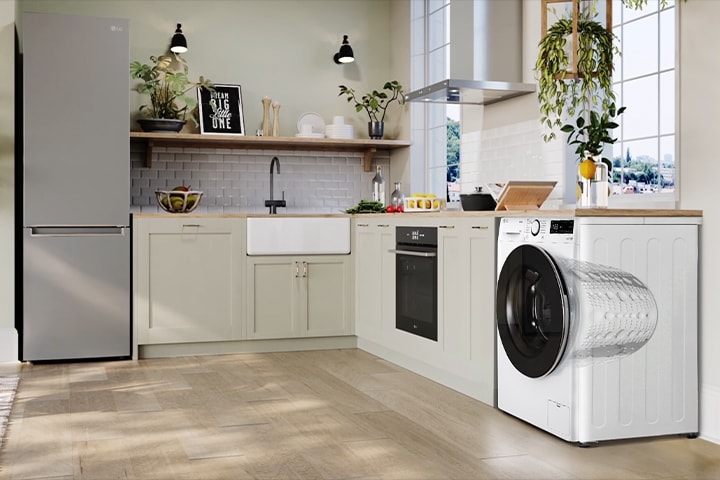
<point>538,229</point>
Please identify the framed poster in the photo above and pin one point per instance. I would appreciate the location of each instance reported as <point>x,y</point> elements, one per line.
<point>221,110</point>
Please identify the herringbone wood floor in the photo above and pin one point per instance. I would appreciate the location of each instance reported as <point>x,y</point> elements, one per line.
<point>302,415</point>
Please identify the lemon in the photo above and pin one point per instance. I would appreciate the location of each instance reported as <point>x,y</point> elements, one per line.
<point>587,169</point>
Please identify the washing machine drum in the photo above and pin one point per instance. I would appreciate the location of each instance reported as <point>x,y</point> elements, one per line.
<point>550,308</point>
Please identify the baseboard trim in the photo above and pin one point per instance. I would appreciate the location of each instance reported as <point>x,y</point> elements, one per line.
<point>710,413</point>
<point>245,346</point>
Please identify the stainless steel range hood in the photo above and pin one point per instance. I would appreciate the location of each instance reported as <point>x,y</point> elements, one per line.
<point>485,55</point>
<point>469,92</point>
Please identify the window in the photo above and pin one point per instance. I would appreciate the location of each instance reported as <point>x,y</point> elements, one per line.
<point>436,127</point>
<point>644,156</point>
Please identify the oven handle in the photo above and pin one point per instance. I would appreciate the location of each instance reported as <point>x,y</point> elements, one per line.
<point>413,253</point>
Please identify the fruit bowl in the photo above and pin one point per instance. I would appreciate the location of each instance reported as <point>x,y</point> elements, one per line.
<point>178,201</point>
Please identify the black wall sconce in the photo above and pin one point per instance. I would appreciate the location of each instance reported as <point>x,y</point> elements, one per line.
<point>345,55</point>
<point>178,43</point>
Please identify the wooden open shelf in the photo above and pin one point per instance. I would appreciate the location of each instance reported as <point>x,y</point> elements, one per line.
<point>196,140</point>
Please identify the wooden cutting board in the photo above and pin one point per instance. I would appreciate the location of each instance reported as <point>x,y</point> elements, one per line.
<point>524,195</point>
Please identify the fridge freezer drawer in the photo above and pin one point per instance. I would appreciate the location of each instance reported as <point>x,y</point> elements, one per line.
<point>76,293</point>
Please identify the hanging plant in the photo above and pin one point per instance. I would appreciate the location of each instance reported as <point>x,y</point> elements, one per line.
<point>575,93</point>
<point>640,4</point>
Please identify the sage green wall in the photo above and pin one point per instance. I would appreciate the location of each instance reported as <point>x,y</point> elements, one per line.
<point>277,48</point>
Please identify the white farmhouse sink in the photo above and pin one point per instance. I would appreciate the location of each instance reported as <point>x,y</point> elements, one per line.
<point>298,235</point>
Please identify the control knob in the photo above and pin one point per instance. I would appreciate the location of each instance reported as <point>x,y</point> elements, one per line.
<point>535,227</point>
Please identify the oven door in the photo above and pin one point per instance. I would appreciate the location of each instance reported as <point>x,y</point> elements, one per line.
<point>416,290</point>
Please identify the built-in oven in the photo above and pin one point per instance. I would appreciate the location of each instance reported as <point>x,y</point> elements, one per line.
<point>416,296</point>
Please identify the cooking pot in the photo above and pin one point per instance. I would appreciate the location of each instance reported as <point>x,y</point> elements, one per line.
<point>477,201</point>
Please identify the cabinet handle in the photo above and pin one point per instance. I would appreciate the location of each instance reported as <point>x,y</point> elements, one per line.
<point>304,269</point>
<point>383,225</point>
<point>297,269</point>
<point>449,227</point>
<point>188,225</point>
<point>480,227</point>
<point>362,225</point>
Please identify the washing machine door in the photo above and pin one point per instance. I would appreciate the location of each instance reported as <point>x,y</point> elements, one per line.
<point>532,311</point>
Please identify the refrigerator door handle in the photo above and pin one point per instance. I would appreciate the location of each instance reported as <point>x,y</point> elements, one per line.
<point>78,231</point>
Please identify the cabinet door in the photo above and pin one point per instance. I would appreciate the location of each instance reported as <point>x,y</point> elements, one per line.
<point>325,307</point>
<point>482,296</point>
<point>188,273</point>
<point>272,297</point>
<point>374,278</point>
<point>467,288</point>
<point>454,290</point>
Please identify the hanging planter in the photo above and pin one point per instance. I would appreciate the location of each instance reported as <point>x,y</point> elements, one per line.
<point>576,80</point>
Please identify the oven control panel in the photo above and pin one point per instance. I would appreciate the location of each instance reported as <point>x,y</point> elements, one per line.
<point>421,236</point>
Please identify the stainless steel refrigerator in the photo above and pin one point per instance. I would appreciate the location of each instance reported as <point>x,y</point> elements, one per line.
<point>76,193</point>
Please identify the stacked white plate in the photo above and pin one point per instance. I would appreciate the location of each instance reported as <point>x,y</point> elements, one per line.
<point>310,125</point>
<point>339,131</point>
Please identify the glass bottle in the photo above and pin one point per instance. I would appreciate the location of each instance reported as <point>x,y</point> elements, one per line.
<point>396,197</point>
<point>600,184</point>
<point>378,186</point>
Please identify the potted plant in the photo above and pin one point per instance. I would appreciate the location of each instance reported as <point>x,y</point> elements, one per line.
<point>591,135</point>
<point>375,104</point>
<point>167,88</point>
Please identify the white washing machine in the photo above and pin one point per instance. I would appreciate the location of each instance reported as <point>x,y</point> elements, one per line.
<point>597,325</point>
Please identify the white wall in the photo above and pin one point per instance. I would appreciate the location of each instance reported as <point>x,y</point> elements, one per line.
<point>8,335</point>
<point>699,102</point>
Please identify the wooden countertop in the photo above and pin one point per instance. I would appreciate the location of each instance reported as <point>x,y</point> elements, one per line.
<point>584,212</point>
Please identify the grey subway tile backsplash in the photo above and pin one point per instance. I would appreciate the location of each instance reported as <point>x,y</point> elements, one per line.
<point>238,180</point>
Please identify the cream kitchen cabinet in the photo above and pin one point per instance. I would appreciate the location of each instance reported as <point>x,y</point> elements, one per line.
<point>466,301</point>
<point>466,283</point>
<point>188,279</point>
<point>374,277</point>
<point>298,296</point>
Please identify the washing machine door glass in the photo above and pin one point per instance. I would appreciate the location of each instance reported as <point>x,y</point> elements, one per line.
<point>532,311</point>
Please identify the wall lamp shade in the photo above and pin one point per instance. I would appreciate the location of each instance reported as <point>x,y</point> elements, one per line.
<point>178,43</point>
<point>345,55</point>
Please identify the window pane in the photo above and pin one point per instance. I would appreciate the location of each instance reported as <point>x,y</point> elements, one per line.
<point>667,39</point>
<point>641,99</point>
<point>638,166</point>
<point>667,103</point>
<point>417,36</point>
<point>667,163</point>
<point>640,47</point>
<point>437,70</point>
<point>438,151</point>
<point>437,33</point>
<point>437,181</point>
<point>435,4</point>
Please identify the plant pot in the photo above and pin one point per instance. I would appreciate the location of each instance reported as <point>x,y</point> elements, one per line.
<point>161,124</point>
<point>376,129</point>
